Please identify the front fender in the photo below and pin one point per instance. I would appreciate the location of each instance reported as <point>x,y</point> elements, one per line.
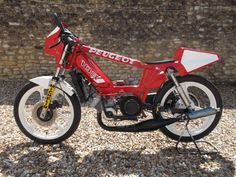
<point>44,82</point>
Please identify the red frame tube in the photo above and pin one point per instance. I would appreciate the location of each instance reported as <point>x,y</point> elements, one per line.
<point>153,75</point>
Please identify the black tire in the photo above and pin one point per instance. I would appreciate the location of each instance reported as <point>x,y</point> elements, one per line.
<point>189,78</point>
<point>76,119</point>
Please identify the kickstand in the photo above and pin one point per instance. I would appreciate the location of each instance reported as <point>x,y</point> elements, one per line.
<point>195,143</point>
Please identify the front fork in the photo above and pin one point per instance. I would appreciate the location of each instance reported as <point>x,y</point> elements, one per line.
<point>48,99</point>
<point>183,95</point>
<point>53,83</point>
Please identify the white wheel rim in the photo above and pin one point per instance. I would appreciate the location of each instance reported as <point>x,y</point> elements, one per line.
<point>206,121</point>
<point>32,129</point>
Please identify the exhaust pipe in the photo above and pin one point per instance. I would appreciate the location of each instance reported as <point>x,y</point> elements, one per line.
<point>144,126</point>
<point>154,124</point>
<point>202,113</point>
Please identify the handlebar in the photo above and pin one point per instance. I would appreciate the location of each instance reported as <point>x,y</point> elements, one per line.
<point>65,36</point>
<point>58,22</point>
<point>67,39</point>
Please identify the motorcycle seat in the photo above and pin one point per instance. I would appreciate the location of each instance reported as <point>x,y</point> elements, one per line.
<point>159,62</point>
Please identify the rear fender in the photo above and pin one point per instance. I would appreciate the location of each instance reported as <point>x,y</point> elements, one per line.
<point>44,82</point>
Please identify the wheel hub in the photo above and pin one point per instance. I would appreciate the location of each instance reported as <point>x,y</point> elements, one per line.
<point>193,99</point>
<point>49,118</point>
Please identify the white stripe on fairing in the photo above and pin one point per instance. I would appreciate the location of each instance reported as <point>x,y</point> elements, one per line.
<point>99,81</point>
<point>54,31</point>
<point>194,59</point>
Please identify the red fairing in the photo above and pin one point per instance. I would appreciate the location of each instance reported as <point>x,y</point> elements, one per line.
<point>52,39</point>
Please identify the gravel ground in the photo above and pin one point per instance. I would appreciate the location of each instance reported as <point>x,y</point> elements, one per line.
<point>92,151</point>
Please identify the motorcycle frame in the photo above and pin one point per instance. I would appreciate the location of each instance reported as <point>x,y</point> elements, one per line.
<point>81,60</point>
<point>153,75</point>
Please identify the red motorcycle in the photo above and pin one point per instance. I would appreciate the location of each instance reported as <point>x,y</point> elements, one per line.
<point>48,110</point>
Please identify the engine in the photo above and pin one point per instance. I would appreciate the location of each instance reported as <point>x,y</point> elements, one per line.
<point>128,105</point>
<point>125,106</point>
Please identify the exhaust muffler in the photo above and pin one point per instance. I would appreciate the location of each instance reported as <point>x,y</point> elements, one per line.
<point>202,113</point>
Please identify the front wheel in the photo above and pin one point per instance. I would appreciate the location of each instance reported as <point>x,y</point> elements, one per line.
<point>202,94</point>
<point>60,122</point>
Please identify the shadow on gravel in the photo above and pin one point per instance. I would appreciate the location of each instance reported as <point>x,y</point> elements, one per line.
<point>31,159</point>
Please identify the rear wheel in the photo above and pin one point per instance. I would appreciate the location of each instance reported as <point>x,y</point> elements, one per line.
<point>202,94</point>
<point>62,118</point>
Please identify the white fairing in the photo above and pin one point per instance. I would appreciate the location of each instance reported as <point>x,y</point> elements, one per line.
<point>44,82</point>
<point>195,59</point>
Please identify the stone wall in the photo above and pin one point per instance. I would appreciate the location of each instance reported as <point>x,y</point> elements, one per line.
<point>147,30</point>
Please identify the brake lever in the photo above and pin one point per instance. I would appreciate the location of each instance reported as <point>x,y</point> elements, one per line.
<point>54,45</point>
